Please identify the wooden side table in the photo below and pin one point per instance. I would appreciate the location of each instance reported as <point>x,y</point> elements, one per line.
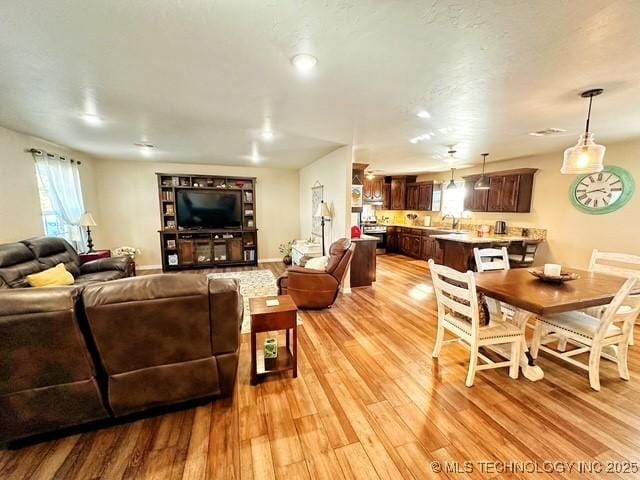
<point>267,319</point>
<point>88,257</point>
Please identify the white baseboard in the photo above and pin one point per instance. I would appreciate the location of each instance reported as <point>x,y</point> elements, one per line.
<point>269,260</point>
<point>148,267</point>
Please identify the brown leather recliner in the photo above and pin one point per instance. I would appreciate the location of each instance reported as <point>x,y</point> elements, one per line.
<point>19,259</point>
<point>316,289</point>
<point>164,339</point>
<point>47,378</point>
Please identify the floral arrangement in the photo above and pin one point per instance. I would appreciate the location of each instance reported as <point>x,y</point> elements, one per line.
<point>285,248</point>
<point>126,252</point>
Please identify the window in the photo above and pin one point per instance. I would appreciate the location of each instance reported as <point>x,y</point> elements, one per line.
<point>53,224</point>
<point>453,200</point>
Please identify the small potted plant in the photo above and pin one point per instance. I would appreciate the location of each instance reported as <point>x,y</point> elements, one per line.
<point>285,250</point>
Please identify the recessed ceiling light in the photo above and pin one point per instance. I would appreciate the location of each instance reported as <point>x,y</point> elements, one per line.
<point>267,135</point>
<point>92,119</point>
<point>304,62</point>
<point>423,114</point>
<point>146,149</point>
<point>547,132</point>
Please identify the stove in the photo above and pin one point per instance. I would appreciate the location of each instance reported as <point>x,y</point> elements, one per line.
<point>380,232</point>
<point>374,229</point>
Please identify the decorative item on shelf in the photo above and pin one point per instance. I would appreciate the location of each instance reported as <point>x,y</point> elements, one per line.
<point>185,182</point>
<point>171,244</point>
<point>171,224</point>
<point>196,184</point>
<point>483,182</point>
<point>175,181</point>
<point>324,213</point>
<point>169,210</point>
<point>86,220</point>
<point>248,213</point>
<point>172,259</point>
<point>602,192</point>
<point>271,348</point>
<point>248,197</point>
<point>250,223</point>
<point>285,250</point>
<point>412,217</point>
<point>586,156</point>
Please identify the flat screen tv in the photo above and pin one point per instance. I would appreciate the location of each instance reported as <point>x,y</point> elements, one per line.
<point>209,209</point>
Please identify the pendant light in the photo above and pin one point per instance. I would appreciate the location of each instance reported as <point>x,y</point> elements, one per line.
<point>586,156</point>
<point>483,182</point>
<point>452,184</point>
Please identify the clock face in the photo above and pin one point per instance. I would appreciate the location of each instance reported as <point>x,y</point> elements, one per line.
<point>599,190</point>
<point>602,192</point>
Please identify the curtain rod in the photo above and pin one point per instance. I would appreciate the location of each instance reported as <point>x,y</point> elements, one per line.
<point>39,151</point>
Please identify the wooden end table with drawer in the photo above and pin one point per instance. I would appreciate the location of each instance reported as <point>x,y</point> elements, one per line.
<point>267,319</point>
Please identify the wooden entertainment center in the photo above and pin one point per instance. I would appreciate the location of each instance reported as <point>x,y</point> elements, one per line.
<point>184,248</point>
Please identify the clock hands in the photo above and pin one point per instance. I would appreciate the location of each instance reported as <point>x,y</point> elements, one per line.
<point>597,190</point>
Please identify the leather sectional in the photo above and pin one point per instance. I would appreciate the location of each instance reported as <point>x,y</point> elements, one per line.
<point>99,350</point>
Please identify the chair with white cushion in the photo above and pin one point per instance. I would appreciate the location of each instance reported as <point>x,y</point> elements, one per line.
<point>459,313</point>
<point>590,334</point>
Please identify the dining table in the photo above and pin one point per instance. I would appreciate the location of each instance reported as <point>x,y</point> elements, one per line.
<point>529,296</point>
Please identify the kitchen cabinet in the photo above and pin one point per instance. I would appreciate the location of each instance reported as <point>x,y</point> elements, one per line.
<point>509,191</point>
<point>425,196</point>
<point>412,196</point>
<point>386,196</point>
<point>398,193</point>
<point>393,241</point>
<point>373,190</point>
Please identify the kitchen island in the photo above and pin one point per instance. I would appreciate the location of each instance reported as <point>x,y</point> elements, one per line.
<point>363,263</point>
<point>457,248</point>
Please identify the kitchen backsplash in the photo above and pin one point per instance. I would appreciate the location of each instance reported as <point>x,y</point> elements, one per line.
<point>399,217</point>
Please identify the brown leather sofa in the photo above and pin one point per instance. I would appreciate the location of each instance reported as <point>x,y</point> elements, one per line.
<point>73,355</point>
<point>316,289</point>
<point>17,260</point>
<point>47,377</point>
<point>164,339</point>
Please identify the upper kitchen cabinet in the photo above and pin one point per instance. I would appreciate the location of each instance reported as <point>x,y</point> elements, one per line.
<point>510,191</point>
<point>373,190</point>
<point>398,193</point>
<point>412,196</point>
<point>386,196</point>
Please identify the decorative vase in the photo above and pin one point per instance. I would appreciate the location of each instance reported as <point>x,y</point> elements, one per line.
<point>287,259</point>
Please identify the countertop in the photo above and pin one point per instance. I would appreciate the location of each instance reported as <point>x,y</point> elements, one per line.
<point>421,227</point>
<point>470,238</point>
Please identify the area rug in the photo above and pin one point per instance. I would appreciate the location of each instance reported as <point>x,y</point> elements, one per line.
<point>254,283</point>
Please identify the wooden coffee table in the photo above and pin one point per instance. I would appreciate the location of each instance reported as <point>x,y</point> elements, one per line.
<point>268,319</point>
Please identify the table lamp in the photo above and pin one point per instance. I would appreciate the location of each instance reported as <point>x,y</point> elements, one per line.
<point>86,220</point>
<point>323,212</point>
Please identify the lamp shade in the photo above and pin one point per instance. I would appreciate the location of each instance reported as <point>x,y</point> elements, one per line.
<point>585,157</point>
<point>482,183</point>
<point>86,220</point>
<point>323,211</point>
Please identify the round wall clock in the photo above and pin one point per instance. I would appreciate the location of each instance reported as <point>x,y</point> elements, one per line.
<point>602,192</point>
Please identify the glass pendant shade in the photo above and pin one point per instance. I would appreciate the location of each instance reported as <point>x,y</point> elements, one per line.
<point>585,157</point>
<point>482,183</point>
<point>452,183</point>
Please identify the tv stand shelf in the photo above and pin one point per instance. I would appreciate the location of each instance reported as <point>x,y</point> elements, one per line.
<point>189,248</point>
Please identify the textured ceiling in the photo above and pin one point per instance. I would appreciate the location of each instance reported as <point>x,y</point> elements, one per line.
<point>198,78</point>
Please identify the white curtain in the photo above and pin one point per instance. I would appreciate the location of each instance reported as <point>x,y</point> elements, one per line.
<point>61,177</point>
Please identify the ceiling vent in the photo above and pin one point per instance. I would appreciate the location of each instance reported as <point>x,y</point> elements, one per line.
<point>548,132</point>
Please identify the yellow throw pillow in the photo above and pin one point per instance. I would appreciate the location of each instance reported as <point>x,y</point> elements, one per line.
<point>52,277</point>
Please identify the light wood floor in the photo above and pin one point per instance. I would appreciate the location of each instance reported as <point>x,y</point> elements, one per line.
<point>369,402</point>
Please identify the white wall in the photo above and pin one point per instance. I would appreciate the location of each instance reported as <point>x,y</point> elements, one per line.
<point>571,234</point>
<point>333,171</point>
<point>20,214</point>
<point>129,213</point>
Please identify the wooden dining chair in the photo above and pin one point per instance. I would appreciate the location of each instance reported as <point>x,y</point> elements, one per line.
<point>590,334</point>
<point>522,254</point>
<point>459,313</point>
<point>620,264</point>
<point>491,259</point>
<point>488,259</point>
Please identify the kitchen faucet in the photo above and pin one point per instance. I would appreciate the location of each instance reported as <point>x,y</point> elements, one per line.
<point>455,221</point>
